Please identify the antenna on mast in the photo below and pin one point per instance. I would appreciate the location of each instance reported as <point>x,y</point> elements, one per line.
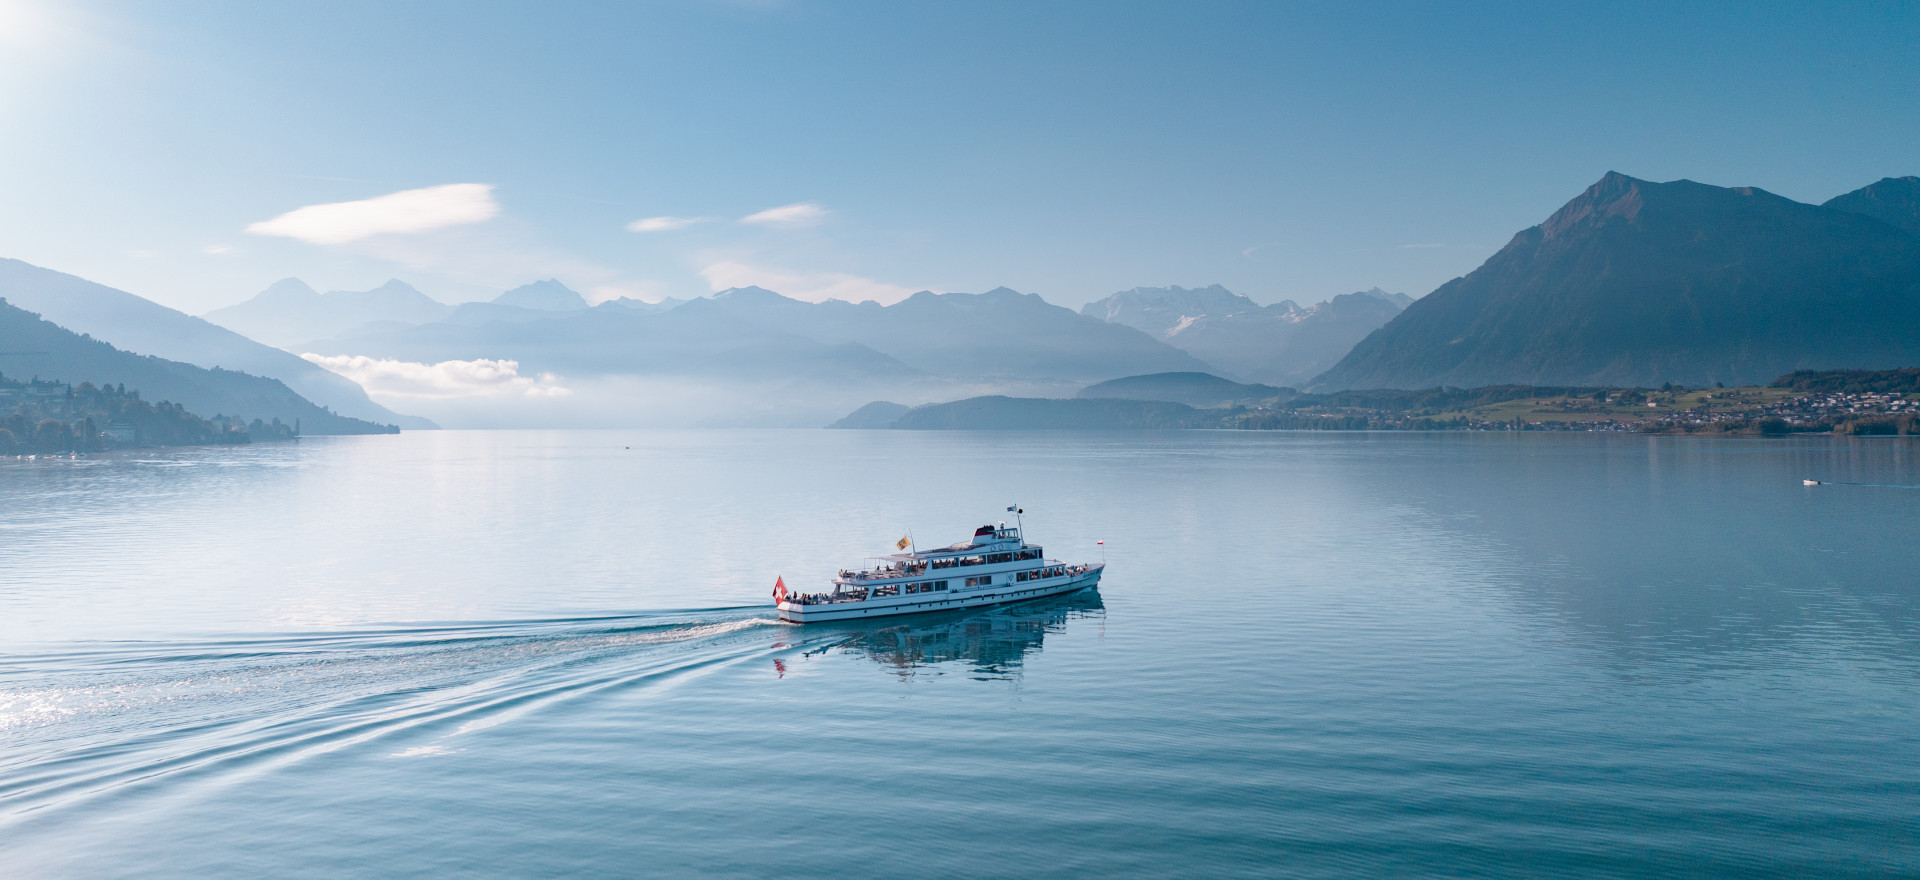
<point>1017,522</point>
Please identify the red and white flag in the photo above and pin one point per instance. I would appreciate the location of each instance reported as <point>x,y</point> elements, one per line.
<point>779,590</point>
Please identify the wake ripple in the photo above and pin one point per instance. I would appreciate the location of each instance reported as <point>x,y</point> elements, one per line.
<point>100,721</point>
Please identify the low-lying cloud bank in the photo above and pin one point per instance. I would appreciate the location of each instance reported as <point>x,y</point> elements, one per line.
<point>386,377</point>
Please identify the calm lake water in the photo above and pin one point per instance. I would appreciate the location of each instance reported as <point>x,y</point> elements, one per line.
<point>526,654</point>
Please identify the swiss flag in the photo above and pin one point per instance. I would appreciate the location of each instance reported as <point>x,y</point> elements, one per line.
<point>779,590</point>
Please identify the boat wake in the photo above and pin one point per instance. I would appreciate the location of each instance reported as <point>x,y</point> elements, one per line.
<point>98,721</point>
<point>87,724</point>
<point>1869,485</point>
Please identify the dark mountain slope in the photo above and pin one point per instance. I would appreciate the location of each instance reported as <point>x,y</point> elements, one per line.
<point>1192,389</point>
<point>1894,200</point>
<point>878,414</point>
<point>35,347</point>
<point>139,325</point>
<point>1638,284</point>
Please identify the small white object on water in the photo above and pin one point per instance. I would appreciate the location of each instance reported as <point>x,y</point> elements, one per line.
<point>1809,482</point>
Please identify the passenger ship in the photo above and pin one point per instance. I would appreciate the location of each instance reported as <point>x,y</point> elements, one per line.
<point>997,565</point>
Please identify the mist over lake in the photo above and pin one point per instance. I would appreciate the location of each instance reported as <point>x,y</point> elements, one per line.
<point>1313,654</point>
<point>832,440</point>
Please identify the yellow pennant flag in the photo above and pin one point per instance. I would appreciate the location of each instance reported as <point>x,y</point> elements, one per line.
<point>903,542</point>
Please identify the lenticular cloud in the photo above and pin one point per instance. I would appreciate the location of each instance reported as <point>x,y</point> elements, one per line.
<point>407,211</point>
<point>446,379</point>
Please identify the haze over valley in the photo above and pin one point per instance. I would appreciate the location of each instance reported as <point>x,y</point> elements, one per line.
<point>1630,284</point>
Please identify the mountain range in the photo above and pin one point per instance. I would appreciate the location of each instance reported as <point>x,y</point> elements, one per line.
<point>1635,283</point>
<point>1632,283</point>
<point>750,332</point>
<point>1281,343</point>
<point>31,347</point>
<point>1892,200</point>
<point>133,324</point>
<point>289,312</point>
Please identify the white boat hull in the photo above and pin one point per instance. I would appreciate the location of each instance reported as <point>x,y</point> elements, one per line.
<point>889,606</point>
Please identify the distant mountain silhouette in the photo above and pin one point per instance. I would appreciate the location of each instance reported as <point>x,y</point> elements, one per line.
<point>1001,335</point>
<point>36,347</point>
<point>549,295</point>
<point>699,339</point>
<point>289,312</point>
<point>1326,331</point>
<point>1192,389</point>
<point>1895,200</point>
<point>1638,284</point>
<point>1282,342</point>
<point>474,314</point>
<point>133,324</point>
<point>1161,311</point>
<point>644,307</point>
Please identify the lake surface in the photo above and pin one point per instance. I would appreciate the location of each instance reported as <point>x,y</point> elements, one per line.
<point>527,654</point>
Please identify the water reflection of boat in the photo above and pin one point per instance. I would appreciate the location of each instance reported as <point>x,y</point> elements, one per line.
<point>995,566</point>
<point>992,642</point>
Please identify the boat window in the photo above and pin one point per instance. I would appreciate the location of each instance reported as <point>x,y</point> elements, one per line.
<point>939,585</point>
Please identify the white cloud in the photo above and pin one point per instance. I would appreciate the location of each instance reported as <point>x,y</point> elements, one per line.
<point>788,216</point>
<point>407,211</point>
<point>217,250</point>
<point>664,224</point>
<point>446,379</point>
<point>808,286</point>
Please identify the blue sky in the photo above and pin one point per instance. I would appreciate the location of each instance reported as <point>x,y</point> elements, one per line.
<point>1069,149</point>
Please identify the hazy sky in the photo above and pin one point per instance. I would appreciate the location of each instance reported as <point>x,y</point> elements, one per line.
<point>864,150</point>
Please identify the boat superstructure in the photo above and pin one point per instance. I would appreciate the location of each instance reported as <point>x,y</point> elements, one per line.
<point>996,565</point>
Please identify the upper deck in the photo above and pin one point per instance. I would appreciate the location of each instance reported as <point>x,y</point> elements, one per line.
<point>990,546</point>
<point>984,538</point>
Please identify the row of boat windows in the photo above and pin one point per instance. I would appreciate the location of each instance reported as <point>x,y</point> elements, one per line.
<point>985,580</point>
<point>923,587</point>
<point>986,559</point>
